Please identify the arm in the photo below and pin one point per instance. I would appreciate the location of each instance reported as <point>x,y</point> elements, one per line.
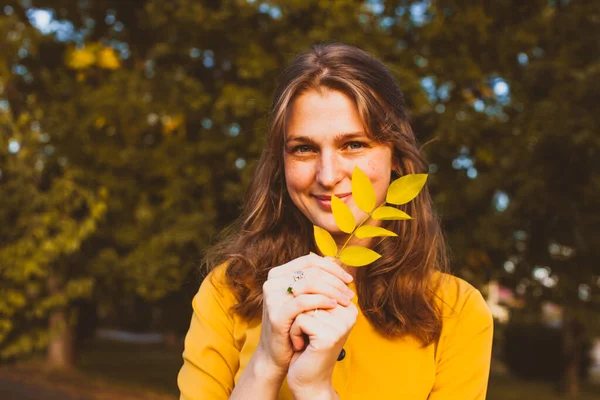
<point>464,359</point>
<point>329,394</point>
<point>311,369</point>
<point>211,358</point>
<point>258,381</point>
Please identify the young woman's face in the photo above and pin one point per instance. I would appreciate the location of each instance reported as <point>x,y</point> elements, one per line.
<point>324,141</point>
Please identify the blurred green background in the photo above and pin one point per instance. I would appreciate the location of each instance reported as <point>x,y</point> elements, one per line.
<point>129,128</point>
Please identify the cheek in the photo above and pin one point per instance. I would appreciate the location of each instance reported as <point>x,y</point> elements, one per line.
<point>373,167</point>
<point>297,177</point>
<point>379,174</point>
<point>378,171</point>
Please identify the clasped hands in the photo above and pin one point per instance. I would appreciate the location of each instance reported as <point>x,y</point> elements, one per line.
<point>298,341</point>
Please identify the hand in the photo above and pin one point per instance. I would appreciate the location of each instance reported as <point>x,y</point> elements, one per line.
<point>323,287</point>
<point>311,368</point>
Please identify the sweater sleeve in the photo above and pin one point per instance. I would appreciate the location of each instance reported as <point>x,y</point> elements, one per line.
<point>465,353</point>
<point>210,357</point>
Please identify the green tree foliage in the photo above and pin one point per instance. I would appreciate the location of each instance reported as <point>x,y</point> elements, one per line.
<point>156,109</point>
<point>535,139</point>
<point>47,213</point>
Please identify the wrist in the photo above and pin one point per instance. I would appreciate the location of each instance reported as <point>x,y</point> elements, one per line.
<point>315,393</point>
<point>267,370</point>
<point>259,380</point>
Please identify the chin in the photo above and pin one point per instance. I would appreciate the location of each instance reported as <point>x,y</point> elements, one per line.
<point>330,226</point>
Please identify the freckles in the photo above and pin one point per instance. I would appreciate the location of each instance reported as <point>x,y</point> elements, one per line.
<point>298,175</point>
<point>374,168</point>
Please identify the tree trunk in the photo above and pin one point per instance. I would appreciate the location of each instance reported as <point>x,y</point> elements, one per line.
<point>61,349</point>
<point>571,381</point>
<point>572,348</point>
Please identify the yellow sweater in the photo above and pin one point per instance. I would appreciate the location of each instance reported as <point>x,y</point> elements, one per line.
<point>219,345</point>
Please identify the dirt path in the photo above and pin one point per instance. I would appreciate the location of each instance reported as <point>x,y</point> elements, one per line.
<point>33,383</point>
<point>11,389</point>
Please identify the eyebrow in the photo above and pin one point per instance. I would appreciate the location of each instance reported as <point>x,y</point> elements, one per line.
<point>340,137</point>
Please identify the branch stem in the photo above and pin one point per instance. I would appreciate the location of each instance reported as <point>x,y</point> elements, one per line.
<point>355,229</point>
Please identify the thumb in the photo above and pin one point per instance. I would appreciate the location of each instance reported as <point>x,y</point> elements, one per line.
<point>297,336</point>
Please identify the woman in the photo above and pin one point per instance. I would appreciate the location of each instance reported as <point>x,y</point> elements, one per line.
<point>273,320</point>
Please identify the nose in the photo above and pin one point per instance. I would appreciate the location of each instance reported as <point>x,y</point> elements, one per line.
<point>329,171</point>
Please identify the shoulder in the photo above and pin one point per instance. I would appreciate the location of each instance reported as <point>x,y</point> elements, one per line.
<point>217,277</point>
<point>458,299</point>
<point>215,292</point>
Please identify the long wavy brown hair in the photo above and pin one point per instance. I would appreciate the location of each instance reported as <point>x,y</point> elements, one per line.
<point>397,292</point>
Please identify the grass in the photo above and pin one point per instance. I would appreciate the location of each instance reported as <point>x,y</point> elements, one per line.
<point>112,370</point>
<point>149,366</point>
<point>508,388</point>
<point>107,371</point>
<point>155,367</point>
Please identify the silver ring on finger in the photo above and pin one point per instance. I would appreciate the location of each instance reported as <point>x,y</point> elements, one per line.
<point>297,275</point>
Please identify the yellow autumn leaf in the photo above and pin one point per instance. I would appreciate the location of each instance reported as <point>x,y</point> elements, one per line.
<point>107,59</point>
<point>100,122</point>
<point>362,191</point>
<point>171,124</point>
<point>358,256</point>
<point>389,213</point>
<point>325,242</point>
<point>80,58</point>
<point>344,218</point>
<point>405,188</point>
<point>372,231</point>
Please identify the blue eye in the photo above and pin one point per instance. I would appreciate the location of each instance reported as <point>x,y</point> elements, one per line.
<point>356,145</point>
<point>304,148</point>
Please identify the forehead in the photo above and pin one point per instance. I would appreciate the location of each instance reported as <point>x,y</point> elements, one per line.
<point>321,115</point>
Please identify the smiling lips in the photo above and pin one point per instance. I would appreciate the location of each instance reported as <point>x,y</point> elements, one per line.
<point>325,197</point>
<point>325,201</point>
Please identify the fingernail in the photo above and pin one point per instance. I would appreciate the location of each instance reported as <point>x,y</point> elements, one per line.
<point>350,293</point>
<point>349,277</point>
<point>333,302</point>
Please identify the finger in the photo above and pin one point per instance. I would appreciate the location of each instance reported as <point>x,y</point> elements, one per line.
<point>320,282</point>
<point>307,324</point>
<point>327,264</point>
<point>298,338</point>
<point>297,332</point>
<point>324,276</point>
<point>342,317</point>
<point>312,260</point>
<point>339,317</point>
<point>304,302</point>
